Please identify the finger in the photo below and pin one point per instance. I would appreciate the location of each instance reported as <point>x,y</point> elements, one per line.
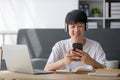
<point>70,51</point>
<point>69,55</point>
<point>76,59</point>
<point>81,52</point>
<point>76,53</point>
<point>78,50</point>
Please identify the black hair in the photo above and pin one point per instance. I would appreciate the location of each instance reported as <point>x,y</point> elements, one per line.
<point>74,17</point>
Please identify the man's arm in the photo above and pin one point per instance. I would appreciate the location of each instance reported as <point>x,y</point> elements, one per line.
<point>96,64</point>
<point>54,66</point>
<point>86,59</point>
<point>61,63</point>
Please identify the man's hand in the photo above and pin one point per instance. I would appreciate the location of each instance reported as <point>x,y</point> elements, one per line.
<point>86,59</point>
<point>83,57</point>
<point>70,56</point>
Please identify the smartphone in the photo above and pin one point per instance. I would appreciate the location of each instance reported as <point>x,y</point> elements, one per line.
<point>77,46</point>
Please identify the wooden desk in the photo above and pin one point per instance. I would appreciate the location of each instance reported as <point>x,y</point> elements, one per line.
<point>7,75</point>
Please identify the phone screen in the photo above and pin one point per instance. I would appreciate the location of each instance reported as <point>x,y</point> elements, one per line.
<point>77,46</point>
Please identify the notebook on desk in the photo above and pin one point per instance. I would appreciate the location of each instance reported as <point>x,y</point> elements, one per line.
<point>106,72</point>
<point>18,59</point>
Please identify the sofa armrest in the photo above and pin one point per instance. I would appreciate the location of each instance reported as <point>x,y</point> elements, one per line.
<point>3,65</point>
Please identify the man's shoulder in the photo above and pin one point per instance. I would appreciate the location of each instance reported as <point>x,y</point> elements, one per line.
<point>63,41</point>
<point>90,41</point>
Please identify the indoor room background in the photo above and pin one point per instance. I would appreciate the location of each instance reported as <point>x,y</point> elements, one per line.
<point>50,14</point>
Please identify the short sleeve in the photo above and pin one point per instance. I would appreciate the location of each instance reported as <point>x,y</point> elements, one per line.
<point>55,53</point>
<point>100,54</point>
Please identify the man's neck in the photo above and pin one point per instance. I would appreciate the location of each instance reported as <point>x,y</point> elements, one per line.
<point>82,41</point>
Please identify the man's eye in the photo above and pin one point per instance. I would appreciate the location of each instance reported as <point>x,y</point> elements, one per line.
<point>80,26</point>
<point>73,26</point>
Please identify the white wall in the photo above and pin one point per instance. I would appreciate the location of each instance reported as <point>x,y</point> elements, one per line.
<point>16,14</point>
<point>52,13</point>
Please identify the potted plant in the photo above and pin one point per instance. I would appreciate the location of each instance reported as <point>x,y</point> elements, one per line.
<point>96,12</point>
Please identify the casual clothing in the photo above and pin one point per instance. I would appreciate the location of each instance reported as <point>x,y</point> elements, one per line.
<point>92,47</point>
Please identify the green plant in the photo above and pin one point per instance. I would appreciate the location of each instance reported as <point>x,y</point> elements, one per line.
<point>95,11</point>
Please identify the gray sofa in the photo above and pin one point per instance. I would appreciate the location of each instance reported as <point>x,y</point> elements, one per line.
<point>41,41</point>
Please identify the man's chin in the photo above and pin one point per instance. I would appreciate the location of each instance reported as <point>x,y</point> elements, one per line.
<point>77,39</point>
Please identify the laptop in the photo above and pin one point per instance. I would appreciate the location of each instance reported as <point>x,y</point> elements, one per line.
<point>18,59</point>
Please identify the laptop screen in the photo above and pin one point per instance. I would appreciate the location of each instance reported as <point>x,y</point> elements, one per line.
<point>17,58</point>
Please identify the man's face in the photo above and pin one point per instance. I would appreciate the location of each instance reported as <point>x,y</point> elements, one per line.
<point>76,31</point>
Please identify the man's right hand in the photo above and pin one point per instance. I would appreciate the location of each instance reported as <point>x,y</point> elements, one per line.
<point>70,57</point>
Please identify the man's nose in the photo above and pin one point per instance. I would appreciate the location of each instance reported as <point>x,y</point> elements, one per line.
<point>76,28</point>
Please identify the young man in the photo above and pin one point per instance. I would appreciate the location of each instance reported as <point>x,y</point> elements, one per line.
<point>64,57</point>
